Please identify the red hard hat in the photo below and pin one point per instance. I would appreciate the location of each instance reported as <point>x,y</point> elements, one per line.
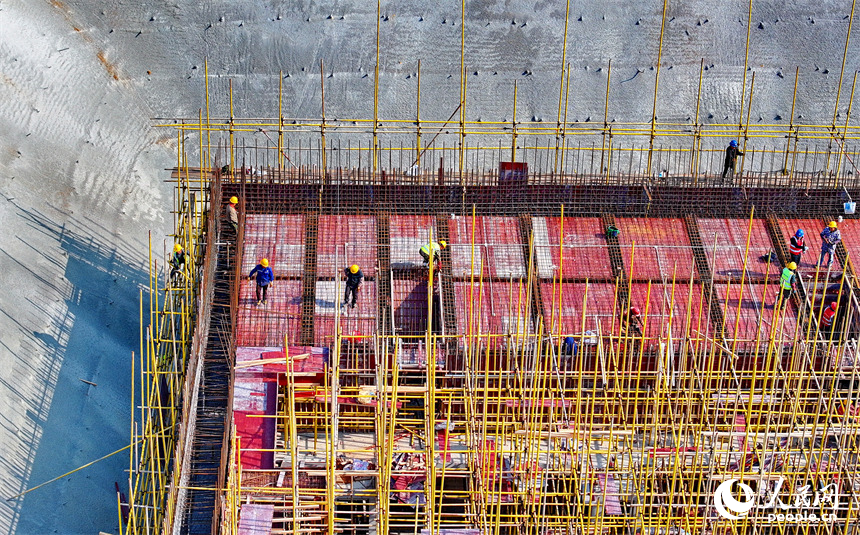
<point>634,311</point>
<point>833,305</point>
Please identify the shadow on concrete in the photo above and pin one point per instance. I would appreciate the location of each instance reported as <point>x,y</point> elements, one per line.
<point>92,335</point>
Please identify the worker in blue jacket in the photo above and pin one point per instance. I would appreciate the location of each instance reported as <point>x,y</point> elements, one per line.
<point>830,237</point>
<point>265,278</point>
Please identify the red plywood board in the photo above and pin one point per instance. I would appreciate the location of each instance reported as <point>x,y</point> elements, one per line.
<point>730,236</point>
<point>494,308</point>
<point>253,397</point>
<point>662,248</point>
<point>497,247</point>
<point>850,231</point>
<point>408,233</point>
<point>279,238</point>
<point>689,317</point>
<point>567,300</point>
<point>409,301</point>
<point>345,240</point>
<point>812,229</point>
<point>358,321</point>
<point>306,361</point>
<point>586,253</point>
<point>266,325</point>
<point>754,305</point>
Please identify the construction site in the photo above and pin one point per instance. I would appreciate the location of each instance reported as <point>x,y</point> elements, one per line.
<point>602,347</point>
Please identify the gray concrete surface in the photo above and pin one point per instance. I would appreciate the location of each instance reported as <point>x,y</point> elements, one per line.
<point>81,168</point>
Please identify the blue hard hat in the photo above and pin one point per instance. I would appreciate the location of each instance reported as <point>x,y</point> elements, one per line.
<point>799,233</point>
<point>733,143</point>
<point>569,341</point>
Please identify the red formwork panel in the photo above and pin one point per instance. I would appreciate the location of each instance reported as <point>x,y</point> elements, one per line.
<point>493,307</point>
<point>569,301</point>
<point>689,317</point>
<point>586,253</point>
<point>279,238</point>
<point>408,233</point>
<point>498,246</point>
<point>662,248</point>
<point>730,236</point>
<point>757,304</point>
<point>409,302</point>
<point>850,231</point>
<point>307,362</point>
<point>344,240</point>
<point>812,229</point>
<point>266,325</point>
<point>252,398</point>
<point>358,321</point>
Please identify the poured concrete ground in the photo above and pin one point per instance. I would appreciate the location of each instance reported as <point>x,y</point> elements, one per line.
<point>81,168</point>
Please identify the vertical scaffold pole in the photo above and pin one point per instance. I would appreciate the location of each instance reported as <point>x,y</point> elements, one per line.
<point>376,91</point>
<point>839,86</point>
<point>561,89</point>
<point>656,87</point>
<point>322,125</point>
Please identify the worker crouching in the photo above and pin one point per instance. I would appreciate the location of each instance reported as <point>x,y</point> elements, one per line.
<point>433,249</point>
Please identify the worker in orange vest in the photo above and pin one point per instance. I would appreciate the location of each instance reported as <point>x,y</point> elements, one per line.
<point>827,317</point>
<point>796,247</point>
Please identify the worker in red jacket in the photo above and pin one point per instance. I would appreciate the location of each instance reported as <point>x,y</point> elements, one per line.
<point>827,317</point>
<point>796,247</point>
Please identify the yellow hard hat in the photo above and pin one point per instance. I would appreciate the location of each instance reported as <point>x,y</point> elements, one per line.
<point>792,266</point>
<point>832,224</point>
<point>234,200</point>
<point>443,243</point>
<point>264,262</point>
<point>177,248</point>
<point>353,269</point>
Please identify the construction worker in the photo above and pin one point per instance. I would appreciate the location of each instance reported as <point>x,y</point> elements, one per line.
<point>354,278</point>
<point>265,278</point>
<point>786,282</point>
<point>830,237</point>
<point>569,347</point>
<point>177,261</point>
<point>732,154</point>
<point>232,214</point>
<point>796,247</point>
<point>635,323</point>
<point>436,249</point>
<point>827,317</point>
